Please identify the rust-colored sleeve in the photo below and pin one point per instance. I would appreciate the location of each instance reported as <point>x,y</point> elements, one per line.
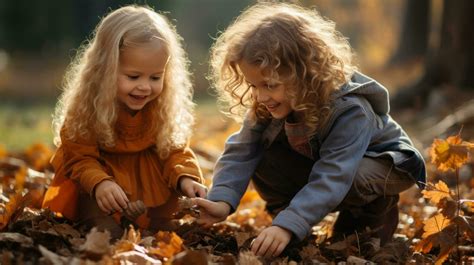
<point>80,161</point>
<point>181,162</point>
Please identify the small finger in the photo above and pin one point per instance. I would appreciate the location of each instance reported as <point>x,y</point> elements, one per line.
<point>256,243</point>
<point>105,203</point>
<point>102,207</point>
<point>271,249</point>
<point>264,246</point>
<point>121,201</point>
<point>113,203</point>
<point>279,250</point>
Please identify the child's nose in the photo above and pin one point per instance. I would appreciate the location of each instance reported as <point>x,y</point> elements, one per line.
<point>144,86</point>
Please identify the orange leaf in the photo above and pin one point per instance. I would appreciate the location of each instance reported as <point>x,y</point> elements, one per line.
<point>17,202</point>
<point>39,155</point>
<point>434,225</point>
<point>168,244</point>
<point>451,153</point>
<point>436,193</point>
<point>20,178</point>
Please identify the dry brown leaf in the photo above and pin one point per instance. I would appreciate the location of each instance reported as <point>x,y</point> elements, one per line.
<point>358,261</point>
<point>241,237</point>
<point>248,258</point>
<point>190,257</point>
<point>436,192</point>
<point>96,242</point>
<point>66,230</point>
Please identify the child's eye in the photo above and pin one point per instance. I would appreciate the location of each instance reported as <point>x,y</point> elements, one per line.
<point>155,78</point>
<point>132,77</point>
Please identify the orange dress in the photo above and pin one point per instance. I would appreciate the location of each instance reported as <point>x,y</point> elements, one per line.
<point>133,163</point>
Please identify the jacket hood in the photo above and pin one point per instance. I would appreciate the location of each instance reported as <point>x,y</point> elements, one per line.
<point>364,86</point>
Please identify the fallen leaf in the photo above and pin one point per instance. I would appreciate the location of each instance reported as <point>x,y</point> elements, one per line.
<point>436,192</point>
<point>135,257</point>
<point>168,244</point>
<point>97,243</point>
<point>434,225</point>
<point>15,205</point>
<point>248,258</point>
<point>188,257</point>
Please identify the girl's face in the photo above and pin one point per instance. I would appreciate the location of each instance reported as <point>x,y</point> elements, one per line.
<point>267,91</point>
<point>140,75</point>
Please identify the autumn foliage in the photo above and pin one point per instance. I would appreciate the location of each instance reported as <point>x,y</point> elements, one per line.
<point>438,230</point>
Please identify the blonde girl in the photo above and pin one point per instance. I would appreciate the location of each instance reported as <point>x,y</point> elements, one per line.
<point>316,134</point>
<point>122,125</point>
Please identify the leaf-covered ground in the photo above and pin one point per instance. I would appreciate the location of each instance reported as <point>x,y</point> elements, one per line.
<point>435,226</point>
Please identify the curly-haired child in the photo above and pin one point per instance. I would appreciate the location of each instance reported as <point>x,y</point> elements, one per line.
<point>122,126</point>
<point>316,137</point>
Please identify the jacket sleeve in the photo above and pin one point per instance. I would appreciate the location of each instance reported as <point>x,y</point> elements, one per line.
<point>332,175</point>
<point>242,153</point>
<point>181,162</point>
<point>80,161</point>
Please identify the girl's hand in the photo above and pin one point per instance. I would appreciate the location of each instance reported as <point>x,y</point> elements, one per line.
<point>211,212</point>
<point>110,197</point>
<point>271,242</point>
<point>191,188</point>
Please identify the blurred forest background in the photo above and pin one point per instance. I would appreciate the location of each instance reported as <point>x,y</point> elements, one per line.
<point>394,40</point>
<point>421,50</point>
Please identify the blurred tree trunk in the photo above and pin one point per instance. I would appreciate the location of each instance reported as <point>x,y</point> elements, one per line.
<point>452,62</point>
<point>415,30</point>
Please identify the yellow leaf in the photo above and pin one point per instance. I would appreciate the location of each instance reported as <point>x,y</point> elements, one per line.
<point>437,193</point>
<point>451,153</point>
<point>434,225</point>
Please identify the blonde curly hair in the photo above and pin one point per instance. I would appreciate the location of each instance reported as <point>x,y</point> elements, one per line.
<point>295,45</point>
<point>88,106</point>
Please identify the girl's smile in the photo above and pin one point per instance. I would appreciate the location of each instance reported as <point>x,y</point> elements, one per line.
<point>266,91</point>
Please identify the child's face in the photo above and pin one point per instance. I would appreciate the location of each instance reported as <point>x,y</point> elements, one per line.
<point>267,91</point>
<point>140,75</point>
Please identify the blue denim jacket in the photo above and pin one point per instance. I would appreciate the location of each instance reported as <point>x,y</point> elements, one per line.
<point>359,125</point>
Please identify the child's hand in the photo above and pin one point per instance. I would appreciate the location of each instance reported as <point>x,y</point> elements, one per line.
<point>271,242</point>
<point>110,197</point>
<point>211,212</point>
<point>191,188</point>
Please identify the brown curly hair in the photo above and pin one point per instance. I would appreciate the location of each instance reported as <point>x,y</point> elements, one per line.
<point>295,45</point>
